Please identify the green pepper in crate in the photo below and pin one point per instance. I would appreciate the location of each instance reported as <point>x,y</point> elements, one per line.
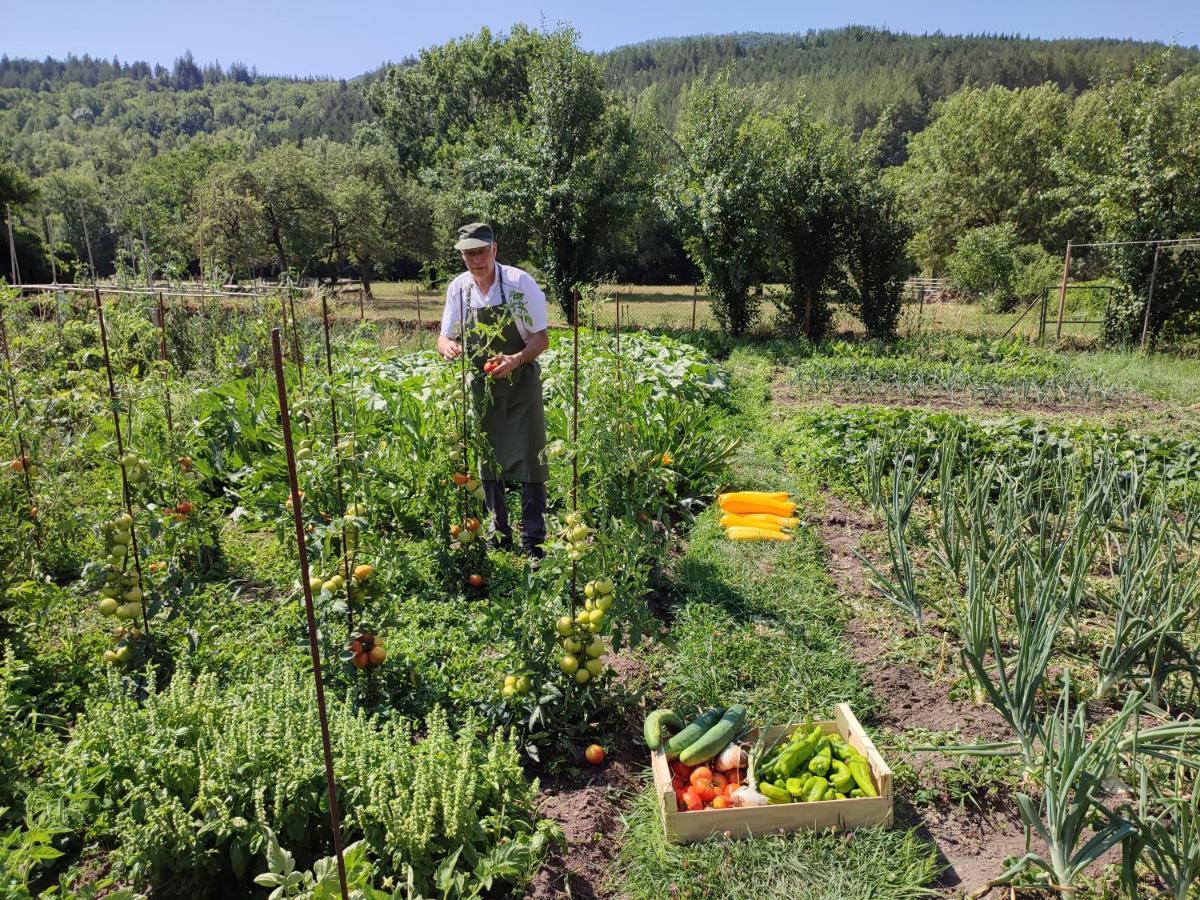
<point>819,764</point>
<point>857,792</point>
<point>774,794</point>
<point>861,773</point>
<point>838,795</point>
<point>797,753</point>
<point>840,776</point>
<point>796,786</point>
<point>817,789</point>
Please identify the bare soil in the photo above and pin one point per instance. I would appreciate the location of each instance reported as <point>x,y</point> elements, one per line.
<point>588,806</point>
<point>972,844</point>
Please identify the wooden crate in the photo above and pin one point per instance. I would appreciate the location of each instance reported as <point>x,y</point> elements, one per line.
<point>839,815</point>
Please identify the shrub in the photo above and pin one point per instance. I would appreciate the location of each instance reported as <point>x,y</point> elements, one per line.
<point>984,263</point>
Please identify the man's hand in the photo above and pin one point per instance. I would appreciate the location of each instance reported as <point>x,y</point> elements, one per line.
<point>449,349</point>
<point>502,364</point>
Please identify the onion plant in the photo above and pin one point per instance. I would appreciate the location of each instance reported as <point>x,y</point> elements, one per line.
<point>1167,836</point>
<point>1038,607</point>
<point>908,480</point>
<point>1149,605</point>
<point>1072,769</point>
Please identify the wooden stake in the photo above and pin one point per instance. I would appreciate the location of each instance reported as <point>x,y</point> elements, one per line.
<point>335,816</point>
<point>1150,297</point>
<point>115,405</point>
<point>1062,292</point>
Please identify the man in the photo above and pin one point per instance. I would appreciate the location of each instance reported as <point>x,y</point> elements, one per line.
<point>507,302</point>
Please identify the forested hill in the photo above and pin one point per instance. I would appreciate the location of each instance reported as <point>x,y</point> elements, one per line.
<point>849,75</point>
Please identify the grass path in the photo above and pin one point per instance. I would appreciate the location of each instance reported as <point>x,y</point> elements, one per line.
<point>762,625</point>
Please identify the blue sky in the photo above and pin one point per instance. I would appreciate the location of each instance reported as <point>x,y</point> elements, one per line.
<point>344,38</point>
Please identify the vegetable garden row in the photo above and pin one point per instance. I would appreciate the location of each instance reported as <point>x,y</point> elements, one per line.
<point>160,730</point>
<point>164,740</point>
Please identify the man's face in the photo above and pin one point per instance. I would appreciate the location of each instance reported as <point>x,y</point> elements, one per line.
<point>480,260</point>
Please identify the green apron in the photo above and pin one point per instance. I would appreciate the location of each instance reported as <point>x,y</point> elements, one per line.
<point>513,417</point>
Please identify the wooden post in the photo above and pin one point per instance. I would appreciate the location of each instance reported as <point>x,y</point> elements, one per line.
<point>420,324</point>
<point>1150,296</point>
<point>1042,321</point>
<point>12,249</point>
<point>695,291</point>
<point>1062,292</point>
<point>335,816</point>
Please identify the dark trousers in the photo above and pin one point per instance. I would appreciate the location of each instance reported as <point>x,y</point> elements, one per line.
<point>533,513</point>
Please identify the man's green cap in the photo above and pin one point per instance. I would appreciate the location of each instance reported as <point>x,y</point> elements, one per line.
<point>475,235</point>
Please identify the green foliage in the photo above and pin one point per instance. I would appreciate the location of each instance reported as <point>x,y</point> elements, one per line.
<point>185,779</point>
<point>875,255</point>
<point>1132,166</point>
<point>714,190</point>
<point>809,190</point>
<point>983,263</point>
<point>987,159</point>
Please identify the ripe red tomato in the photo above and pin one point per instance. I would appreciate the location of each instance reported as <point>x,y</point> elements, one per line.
<point>475,580</point>
<point>678,768</point>
<point>184,508</point>
<point>490,367</point>
<point>594,754</point>
<point>692,800</point>
<point>700,773</point>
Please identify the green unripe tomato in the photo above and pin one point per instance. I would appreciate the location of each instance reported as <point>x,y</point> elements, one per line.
<point>572,646</point>
<point>564,626</point>
<point>604,602</point>
<point>604,585</point>
<point>589,590</point>
<point>569,664</point>
<point>596,616</point>
<point>507,691</point>
<point>596,648</point>
<point>133,595</point>
<point>510,680</point>
<point>595,667</point>
<point>123,521</point>
<point>524,685</point>
<point>583,676</point>
<point>108,606</point>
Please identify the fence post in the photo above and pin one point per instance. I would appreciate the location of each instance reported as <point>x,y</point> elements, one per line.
<point>1062,292</point>
<point>1150,296</point>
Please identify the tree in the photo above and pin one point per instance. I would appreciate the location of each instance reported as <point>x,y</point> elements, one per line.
<point>233,230</point>
<point>875,254</point>
<point>715,192</point>
<point>288,183</point>
<point>523,133</point>
<point>1133,166</point>
<point>810,193</point>
<point>988,158</point>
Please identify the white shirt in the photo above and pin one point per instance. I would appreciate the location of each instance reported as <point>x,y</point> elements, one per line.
<point>525,299</point>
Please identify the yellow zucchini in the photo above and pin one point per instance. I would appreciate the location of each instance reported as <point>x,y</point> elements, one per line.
<point>730,520</point>
<point>774,507</point>
<point>742,533</point>
<point>753,495</point>
<point>770,519</point>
